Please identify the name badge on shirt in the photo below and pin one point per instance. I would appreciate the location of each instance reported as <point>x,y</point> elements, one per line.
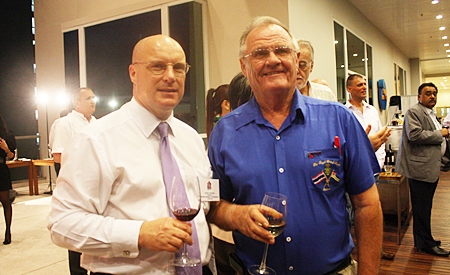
<point>209,189</point>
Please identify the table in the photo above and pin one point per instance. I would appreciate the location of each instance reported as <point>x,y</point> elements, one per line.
<point>25,163</point>
<point>36,163</point>
<point>395,198</point>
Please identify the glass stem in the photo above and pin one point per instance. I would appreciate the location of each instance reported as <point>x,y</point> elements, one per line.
<point>185,254</point>
<point>262,266</point>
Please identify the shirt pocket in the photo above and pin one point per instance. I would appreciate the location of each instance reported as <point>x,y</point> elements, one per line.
<point>324,169</point>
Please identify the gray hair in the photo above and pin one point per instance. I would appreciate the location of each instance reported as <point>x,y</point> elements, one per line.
<point>306,44</point>
<point>259,22</point>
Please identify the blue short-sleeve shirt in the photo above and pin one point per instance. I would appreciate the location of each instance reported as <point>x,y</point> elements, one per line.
<point>319,153</point>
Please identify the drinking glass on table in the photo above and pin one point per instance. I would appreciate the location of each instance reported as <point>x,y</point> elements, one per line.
<point>276,226</point>
<point>185,205</point>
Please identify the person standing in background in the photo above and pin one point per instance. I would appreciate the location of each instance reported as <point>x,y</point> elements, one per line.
<point>306,65</point>
<point>239,91</point>
<point>368,117</point>
<point>217,105</point>
<point>83,100</point>
<point>51,137</point>
<point>366,114</point>
<point>419,159</point>
<point>7,146</point>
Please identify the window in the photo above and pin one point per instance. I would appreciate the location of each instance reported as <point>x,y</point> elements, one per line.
<point>400,80</point>
<point>353,56</point>
<point>102,59</point>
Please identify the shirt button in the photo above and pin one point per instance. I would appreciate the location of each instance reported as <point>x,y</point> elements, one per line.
<point>126,253</point>
<point>281,170</point>
<point>288,239</point>
<point>278,138</point>
<point>291,268</point>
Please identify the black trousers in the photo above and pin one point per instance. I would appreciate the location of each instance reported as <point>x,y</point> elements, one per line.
<point>74,264</point>
<point>422,194</point>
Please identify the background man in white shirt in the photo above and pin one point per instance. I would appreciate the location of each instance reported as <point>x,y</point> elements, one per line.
<point>369,119</point>
<point>305,65</point>
<point>366,114</point>
<point>83,100</point>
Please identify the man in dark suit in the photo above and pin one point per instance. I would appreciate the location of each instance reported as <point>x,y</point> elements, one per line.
<point>419,159</point>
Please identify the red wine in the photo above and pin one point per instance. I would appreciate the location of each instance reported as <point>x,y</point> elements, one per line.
<point>276,229</point>
<point>185,214</point>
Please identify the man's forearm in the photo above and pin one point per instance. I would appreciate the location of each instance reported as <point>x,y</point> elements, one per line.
<point>369,237</point>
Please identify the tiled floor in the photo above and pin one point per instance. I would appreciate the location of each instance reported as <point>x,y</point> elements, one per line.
<point>31,250</point>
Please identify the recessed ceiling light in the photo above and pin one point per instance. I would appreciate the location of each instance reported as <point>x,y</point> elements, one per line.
<point>448,55</point>
<point>335,41</point>
<point>442,28</point>
<point>439,16</point>
<point>355,54</point>
<point>446,45</point>
<point>448,51</point>
<point>444,37</point>
<point>434,2</point>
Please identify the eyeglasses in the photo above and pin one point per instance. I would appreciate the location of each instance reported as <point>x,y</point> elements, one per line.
<point>264,53</point>
<point>303,65</point>
<point>159,67</point>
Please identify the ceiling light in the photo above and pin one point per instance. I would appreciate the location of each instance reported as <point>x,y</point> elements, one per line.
<point>442,28</point>
<point>434,2</point>
<point>444,37</point>
<point>448,51</point>
<point>439,16</point>
<point>355,54</point>
<point>448,55</point>
<point>446,45</point>
<point>335,41</point>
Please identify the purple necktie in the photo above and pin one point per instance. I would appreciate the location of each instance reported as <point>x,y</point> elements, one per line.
<point>170,169</point>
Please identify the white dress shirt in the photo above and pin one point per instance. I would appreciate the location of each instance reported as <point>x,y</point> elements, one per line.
<point>67,128</point>
<point>51,136</point>
<point>370,116</point>
<point>320,91</point>
<point>432,114</point>
<point>112,181</point>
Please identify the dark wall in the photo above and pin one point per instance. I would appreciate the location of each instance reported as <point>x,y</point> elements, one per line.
<point>17,78</point>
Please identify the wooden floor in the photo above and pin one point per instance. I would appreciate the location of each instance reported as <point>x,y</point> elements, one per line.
<point>407,259</point>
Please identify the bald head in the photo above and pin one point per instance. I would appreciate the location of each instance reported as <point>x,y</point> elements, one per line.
<point>152,45</point>
<point>157,74</point>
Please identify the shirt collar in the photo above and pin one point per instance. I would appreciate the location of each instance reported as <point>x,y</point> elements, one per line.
<point>251,112</point>
<point>146,121</point>
<point>351,106</point>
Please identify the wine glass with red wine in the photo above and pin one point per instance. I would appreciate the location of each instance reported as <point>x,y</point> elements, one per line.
<point>185,204</point>
<point>276,226</point>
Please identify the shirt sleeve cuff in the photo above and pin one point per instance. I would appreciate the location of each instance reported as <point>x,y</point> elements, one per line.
<point>124,238</point>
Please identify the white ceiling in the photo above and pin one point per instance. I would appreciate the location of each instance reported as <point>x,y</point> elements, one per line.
<point>412,26</point>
